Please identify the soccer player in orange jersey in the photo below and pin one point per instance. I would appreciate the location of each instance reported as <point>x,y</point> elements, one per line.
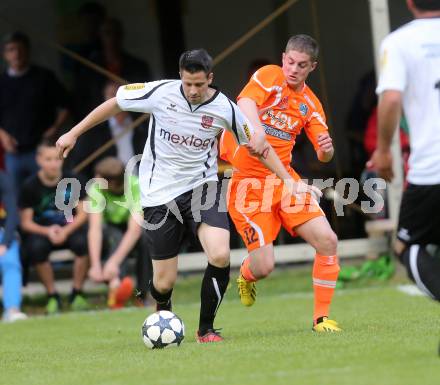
<point>278,101</point>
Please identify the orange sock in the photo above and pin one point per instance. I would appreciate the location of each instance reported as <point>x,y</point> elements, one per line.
<point>246,272</point>
<point>325,274</point>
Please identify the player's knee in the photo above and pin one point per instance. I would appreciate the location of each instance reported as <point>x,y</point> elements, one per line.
<point>164,284</point>
<point>164,280</point>
<point>220,258</point>
<point>423,268</point>
<point>266,267</point>
<point>328,243</point>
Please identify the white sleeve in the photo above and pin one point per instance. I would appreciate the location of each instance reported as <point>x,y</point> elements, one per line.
<point>139,97</point>
<point>392,67</point>
<point>239,125</point>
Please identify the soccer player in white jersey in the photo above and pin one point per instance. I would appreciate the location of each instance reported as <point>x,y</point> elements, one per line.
<point>410,80</point>
<point>178,173</point>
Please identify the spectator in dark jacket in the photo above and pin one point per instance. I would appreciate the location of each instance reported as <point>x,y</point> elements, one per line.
<point>33,105</point>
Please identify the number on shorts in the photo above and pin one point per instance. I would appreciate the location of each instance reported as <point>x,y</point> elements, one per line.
<point>251,235</point>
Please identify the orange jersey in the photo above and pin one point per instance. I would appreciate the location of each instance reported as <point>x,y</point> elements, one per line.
<point>283,113</point>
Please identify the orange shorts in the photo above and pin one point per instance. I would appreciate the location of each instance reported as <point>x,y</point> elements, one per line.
<point>258,208</point>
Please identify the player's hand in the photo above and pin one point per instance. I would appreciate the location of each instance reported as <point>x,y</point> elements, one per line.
<point>65,143</point>
<point>3,250</point>
<point>258,145</point>
<point>325,150</point>
<point>382,162</point>
<point>95,273</point>
<point>325,143</point>
<point>297,188</point>
<point>111,270</point>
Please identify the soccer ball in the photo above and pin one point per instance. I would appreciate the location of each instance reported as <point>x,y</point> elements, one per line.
<point>162,329</point>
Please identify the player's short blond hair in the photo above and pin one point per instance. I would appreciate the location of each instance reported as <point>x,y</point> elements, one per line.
<point>110,168</point>
<point>304,43</point>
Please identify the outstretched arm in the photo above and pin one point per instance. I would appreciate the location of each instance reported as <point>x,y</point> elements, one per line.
<point>259,146</point>
<point>100,114</point>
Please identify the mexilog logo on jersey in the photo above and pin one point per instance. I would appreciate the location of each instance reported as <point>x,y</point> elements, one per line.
<point>183,140</point>
<point>207,121</point>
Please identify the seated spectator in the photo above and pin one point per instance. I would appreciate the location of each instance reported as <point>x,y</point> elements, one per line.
<point>115,233</point>
<point>10,266</point>
<point>45,227</point>
<point>32,106</point>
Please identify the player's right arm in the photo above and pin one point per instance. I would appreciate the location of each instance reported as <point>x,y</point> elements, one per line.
<point>392,83</point>
<point>245,133</point>
<point>250,110</point>
<point>100,114</point>
<point>137,97</point>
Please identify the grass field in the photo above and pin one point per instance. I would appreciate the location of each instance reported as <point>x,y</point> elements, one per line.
<point>389,338</point>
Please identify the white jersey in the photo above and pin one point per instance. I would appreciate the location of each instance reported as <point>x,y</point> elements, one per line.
<point>181,150</point>
<point>410,63</point>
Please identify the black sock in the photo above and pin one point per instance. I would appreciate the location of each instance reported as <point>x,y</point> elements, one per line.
<point>56,296</point>
<point>74,293</point>
<point>214,284</point>
<point>163,299</point>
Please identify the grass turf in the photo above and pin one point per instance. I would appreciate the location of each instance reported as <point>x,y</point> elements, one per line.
<point>389,338</point>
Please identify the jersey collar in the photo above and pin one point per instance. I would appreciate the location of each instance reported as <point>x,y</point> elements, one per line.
<point>217,91</point>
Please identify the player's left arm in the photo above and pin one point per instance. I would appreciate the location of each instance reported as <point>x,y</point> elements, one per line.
<point>317,131</point>
<point>326,150</point>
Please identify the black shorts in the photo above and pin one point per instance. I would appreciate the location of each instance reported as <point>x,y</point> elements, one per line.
<point>36,248</point>
<point>419,218</point>
<point>204,204</point>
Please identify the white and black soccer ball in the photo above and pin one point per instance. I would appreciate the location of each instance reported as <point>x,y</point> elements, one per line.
<point>162,329</point>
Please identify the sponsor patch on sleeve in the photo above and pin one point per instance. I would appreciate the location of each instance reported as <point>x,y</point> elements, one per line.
<point>247,131</point>
<point>134,86</point>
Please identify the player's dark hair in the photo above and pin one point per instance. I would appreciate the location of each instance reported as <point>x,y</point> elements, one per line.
<point>427,5</point>
<point>196,60</point>
<point>17,37</point>
<point>304,43</point>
